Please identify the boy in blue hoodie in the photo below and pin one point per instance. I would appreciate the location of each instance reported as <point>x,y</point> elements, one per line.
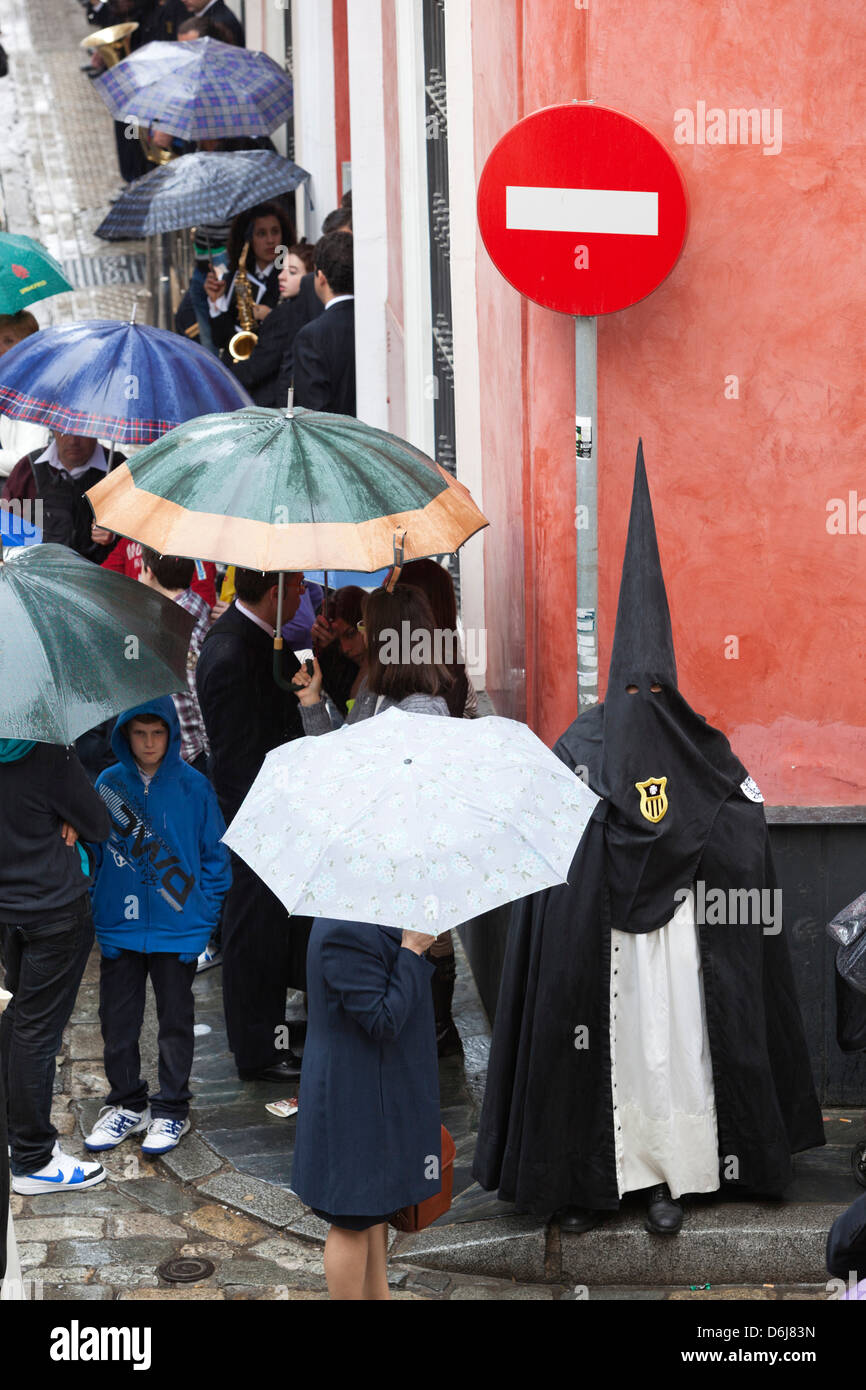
<point>159,885</point>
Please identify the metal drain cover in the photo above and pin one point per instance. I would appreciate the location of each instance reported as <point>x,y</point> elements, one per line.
<point>185,1269</point>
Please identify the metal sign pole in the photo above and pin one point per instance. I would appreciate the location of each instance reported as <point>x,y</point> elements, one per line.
<point>586,509</point>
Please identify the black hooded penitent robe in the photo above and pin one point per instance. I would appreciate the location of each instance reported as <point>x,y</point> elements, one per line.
<point>546,1137</point>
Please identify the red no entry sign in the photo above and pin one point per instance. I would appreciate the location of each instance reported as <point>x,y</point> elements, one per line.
<point>582,209</point>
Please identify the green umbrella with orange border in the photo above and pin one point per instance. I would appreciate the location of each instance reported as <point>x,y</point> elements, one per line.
<point>292,489</point>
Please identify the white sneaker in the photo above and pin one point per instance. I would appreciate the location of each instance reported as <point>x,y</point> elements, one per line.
<point>63,1173</point>
<point>211,955</point>
<point>162,1135</point>
<point>113,1125</point>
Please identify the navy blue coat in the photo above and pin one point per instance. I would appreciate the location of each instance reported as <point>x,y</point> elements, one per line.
<point>368,1133</point>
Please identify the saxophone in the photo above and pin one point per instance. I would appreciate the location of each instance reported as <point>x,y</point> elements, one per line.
<point>243,342</point>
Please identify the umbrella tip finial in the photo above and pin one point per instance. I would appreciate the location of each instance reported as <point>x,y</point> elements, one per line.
<point>290,408</point>
<point>139,294</point>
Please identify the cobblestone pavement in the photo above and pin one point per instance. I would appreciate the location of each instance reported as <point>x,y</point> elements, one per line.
<point>108,1242</point>
<point>58,162</point>
<point>222,1196</point>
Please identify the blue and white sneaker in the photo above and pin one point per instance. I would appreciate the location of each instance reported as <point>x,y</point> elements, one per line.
<point>63,1174</point>
<point>210,956</point>
<point>162,1135</point>
<point>113,1125</point>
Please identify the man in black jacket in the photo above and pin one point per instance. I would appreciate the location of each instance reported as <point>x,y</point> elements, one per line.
<point>57,478</point>
<point>46,934</point>
<point>246,714</point>
<point>324,351</point>
<point>217,12</point>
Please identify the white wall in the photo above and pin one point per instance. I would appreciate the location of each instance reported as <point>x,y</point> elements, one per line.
<point>315,136</point>
<point>462,183</point>
<point>369,214</point>
<point>417,317</point>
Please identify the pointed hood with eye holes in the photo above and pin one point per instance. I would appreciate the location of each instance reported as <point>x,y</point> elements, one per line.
<point>663,770</point>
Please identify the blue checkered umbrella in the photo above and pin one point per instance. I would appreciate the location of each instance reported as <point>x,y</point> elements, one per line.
<point>201,90</point>
<point>199,188</point>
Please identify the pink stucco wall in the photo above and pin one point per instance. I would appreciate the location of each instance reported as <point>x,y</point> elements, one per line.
<point>503,384</point>
<point>770,290</point>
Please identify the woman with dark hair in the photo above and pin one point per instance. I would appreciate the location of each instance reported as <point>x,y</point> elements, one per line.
<point>262,230</point>
<point>399,631</point>
<point>434,580</point>
<point>260,371</point>
<point>368,1138</point>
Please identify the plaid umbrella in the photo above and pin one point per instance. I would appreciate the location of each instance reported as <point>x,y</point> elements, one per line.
<point>202,90</point>
<point>126,382</point>
<point>199,188</point>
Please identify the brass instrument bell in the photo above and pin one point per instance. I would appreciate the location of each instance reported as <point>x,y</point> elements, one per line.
<point>113,43</point>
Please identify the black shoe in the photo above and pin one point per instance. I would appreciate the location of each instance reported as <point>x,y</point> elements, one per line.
<point>577,1219</point>
<point>287,1069</point>
<point>664,1215</point>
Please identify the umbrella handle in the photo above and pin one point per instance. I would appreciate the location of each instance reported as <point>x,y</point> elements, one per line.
<point>279,678</point>
<point>399,540</point>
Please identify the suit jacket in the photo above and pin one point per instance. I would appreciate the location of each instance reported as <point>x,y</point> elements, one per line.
<point>246,714</point>
<point>308,306</point>
<point>262,372</point>
<point>221,14</point>
<point>325,361</point>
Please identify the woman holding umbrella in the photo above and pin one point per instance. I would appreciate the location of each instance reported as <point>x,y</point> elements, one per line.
<point>369,1129</point>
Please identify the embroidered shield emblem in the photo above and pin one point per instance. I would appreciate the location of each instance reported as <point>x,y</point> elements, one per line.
<point>653,798</point>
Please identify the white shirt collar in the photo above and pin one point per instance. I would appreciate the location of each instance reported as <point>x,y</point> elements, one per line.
<point>97,460</point>
<point>338,299</point>
<point>205,10</point>
<point>254,618</point>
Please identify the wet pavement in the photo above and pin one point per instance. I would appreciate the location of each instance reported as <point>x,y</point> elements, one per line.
<point>223,1196</point>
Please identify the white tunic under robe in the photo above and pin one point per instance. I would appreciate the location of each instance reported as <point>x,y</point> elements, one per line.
<point>664,1104</point>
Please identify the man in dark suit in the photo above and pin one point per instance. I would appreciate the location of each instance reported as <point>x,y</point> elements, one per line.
<point>218,13</point>
<point>324,351</point>
<point>246,714</point>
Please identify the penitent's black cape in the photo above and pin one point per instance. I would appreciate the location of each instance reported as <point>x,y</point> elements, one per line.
<point>546,1134</point>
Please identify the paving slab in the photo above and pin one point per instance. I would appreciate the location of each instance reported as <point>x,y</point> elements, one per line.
<point>724,1243</point>
<point>158,1194</point>
<point>269,1203</point>
<point>191,1159</point>
<point>505,1246</point>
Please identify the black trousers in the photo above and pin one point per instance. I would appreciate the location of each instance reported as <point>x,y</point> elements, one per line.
<point>122,991</point>
<point>44,961</point>
<point>264,955</point>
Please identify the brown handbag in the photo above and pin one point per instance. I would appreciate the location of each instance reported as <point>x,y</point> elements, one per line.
<point>423,1214</point>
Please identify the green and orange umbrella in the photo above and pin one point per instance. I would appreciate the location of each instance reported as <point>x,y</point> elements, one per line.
<point>286,490</point>
<point>278,490</point>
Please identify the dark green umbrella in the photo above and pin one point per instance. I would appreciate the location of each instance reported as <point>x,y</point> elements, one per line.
<point>79,644</point>
<point>286,490</point>
<point>27,273</point>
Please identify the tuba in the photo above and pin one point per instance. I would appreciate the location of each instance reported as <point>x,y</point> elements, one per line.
<point>113,43</point>
<point>243,342</point>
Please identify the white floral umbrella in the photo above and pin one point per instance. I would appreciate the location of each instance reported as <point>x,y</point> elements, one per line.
<point>411,820</point>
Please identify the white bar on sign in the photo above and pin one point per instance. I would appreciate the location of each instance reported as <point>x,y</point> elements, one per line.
<point>617,211</point>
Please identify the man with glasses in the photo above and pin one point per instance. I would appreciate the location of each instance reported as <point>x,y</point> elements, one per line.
<point>246,714</point>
